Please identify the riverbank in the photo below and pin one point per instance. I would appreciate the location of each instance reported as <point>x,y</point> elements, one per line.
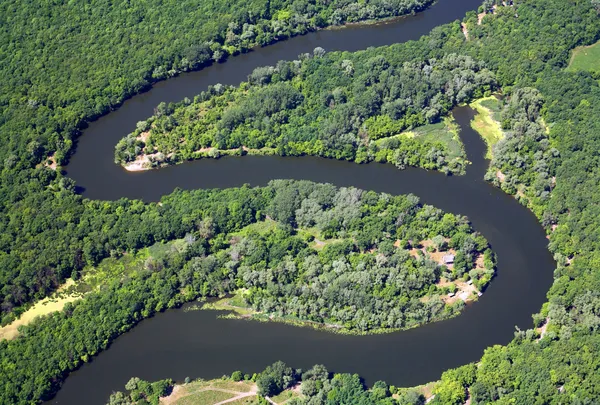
<point>487,121</point>
<point>453,293</point>
<point>445,132</point>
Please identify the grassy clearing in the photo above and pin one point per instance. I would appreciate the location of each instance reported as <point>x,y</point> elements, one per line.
<point>235,304</point>
<point>254,400</point>
<point>426,389</point>
<point>486,121</point>
<point>241,386</point>
<point>445,132</point>
<point>111,268</point>
<point>284,396</point>
<point>260,227</point>
<point>211,392</point>
<point>315,237</point>
<point>48,305</point>
<point>204,397</point>
<point>91,278</point>
<point>585,58</point>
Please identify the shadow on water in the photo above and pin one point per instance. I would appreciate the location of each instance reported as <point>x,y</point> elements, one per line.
<point>182,343</point>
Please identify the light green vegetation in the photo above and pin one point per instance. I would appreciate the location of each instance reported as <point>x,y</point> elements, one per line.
<point>445,132</point>
<point>93,278</point>
<point>334,105</point>
<point>235,304</point>
<point>487,121</point>
<point>48,305</point>
<point>586,58</point>
<point>284,396</point>
<point>199,392</point>
<point>204,397</point>
<point>125,265</point>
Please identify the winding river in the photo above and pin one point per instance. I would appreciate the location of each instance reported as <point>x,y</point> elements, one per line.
<point>181,343</point>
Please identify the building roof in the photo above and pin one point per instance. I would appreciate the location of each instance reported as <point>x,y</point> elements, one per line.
<point>448,258</point>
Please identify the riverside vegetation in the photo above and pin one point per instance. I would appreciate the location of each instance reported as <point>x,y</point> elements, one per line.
<point>49,232</point>
<point>228,243</point>
<point>100,54</point>
<point>341,106</point>
<point>280,384</point>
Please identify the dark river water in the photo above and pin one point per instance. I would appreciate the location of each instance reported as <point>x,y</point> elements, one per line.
<point>177,343</point>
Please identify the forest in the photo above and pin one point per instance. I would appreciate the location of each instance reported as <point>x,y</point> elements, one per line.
<point>330,105</point>
<point>67,63</point>
<point>224,250</point>
<point>49,233</point>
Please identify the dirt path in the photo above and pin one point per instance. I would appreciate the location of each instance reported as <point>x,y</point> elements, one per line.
<point>250,393</point>
<point>178,393</point>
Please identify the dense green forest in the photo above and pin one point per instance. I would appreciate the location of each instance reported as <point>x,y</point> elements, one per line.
<point>325,105</point>
<point>229,243</point>
<point>55,78</point>
<point>67,63</point>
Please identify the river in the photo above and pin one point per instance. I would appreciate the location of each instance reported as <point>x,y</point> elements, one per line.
<point>181,343</point>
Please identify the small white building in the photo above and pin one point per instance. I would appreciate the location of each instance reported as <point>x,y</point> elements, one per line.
<point>448,259</point>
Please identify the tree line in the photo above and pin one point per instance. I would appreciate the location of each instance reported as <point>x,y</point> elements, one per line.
<point>346,282</point>
<point>330,105</point>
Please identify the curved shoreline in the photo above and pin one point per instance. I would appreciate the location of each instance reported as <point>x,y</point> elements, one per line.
<point>403,358</point>
<point>410,357</point>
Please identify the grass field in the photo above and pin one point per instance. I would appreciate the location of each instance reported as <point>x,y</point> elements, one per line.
<point>212,392</point>
<point>54,303</point>
<point>487,121</point>
<point>446,132</point>
<point>585,58</point>
<point>204,397</point>
<point>284,396</point>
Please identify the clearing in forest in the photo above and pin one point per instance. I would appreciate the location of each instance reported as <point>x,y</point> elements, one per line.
<point>585,58</point>
<point>46,306</point>
<point>487,121</point>
<point>445,131</point>
<point>221,392</point>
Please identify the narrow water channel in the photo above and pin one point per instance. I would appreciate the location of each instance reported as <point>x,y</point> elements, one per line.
<point>182,343</point>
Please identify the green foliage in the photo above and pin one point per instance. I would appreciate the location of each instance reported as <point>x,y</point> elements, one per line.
<point>221,250</point>
<point>275,378</point>
<point>142,392</point>
<point>586,58</point>
<point>67,63</point>
<point>314,106</point>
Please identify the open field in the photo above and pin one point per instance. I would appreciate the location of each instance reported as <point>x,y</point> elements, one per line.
<point>221,392</point>
<point>487,121</point>
<point>445,132</point>
<point>585,58</point>
<point>54,303</point>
